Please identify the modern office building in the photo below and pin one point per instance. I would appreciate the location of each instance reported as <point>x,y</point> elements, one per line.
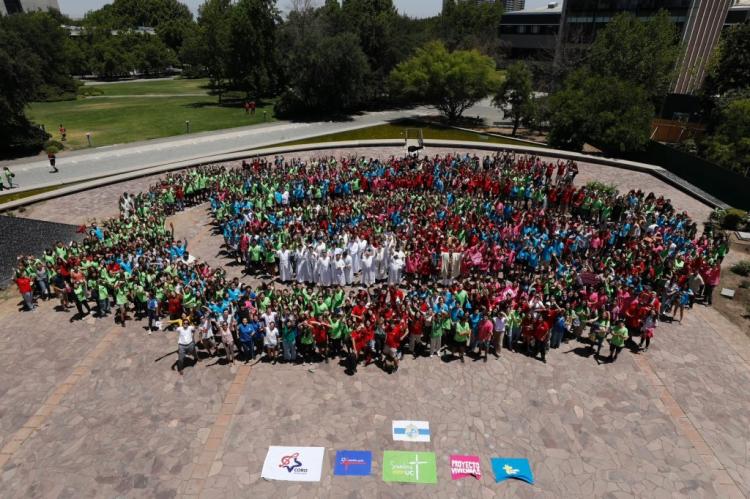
<point>532,33</point>
<point>545,32</point>
<point>513,5</point>
<point>18,6</point>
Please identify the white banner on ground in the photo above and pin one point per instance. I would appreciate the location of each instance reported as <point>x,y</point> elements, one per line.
<point>411,431</point>
<point>295,464</point>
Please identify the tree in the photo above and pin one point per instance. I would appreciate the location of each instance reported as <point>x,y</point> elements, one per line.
<point>372,21</point>
<point>152,56</point>
<point>467,24</point>
<point>641,52</point>
<point>316,87</point>
<point>252,37</point>
<point>515,95</point>
<point>451,81</point>
<point>43,36</point>
<point>730,68</point>
<point>215,32</point>
<point>20,78</point>
<point>311,50</point>
<point>607,112</point>
<point>729,146</point>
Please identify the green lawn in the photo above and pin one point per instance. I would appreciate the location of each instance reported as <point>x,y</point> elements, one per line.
<point>115,120</point>
<point>396,130</point>
<point>178,86</point>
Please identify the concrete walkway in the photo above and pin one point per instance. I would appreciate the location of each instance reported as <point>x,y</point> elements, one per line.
<point>109,160</point>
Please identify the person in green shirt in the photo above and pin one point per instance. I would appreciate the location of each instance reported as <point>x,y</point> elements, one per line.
<point>79,290</point>
<point>102,298</point>
<point>121,300</point>
<point>617,342</point>
<point>463,333</point>
<point>437,330</point>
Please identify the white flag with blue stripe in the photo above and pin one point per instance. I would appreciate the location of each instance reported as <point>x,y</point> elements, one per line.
<point>411,431</point>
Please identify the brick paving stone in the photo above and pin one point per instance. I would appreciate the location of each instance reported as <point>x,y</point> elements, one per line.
<point>126,425</point>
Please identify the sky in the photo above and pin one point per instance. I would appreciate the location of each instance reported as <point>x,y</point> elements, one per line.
<point>414,8</point>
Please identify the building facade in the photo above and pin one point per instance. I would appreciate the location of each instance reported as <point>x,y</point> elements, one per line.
<point>545,33</point>
<point>18,6</point>
<point>513,5</point>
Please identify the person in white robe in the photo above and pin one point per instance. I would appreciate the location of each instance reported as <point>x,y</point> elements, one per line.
<point>353,252</point>
<point>285,264</point>
<point>456,259</point>
<point>445,268</point>
<point>302,267</point>
<point>339,266</point>
<point>398,259</point>
<point>381,269</point>
<point>324,275</point>
<point>367,276</point>
<point>348,268</point>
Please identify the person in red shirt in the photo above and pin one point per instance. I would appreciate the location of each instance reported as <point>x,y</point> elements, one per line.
<point>24,287</point>
<point>394,336</point>
<point>541,335</point>
<point>362,340</point>
<point>485,331</point>
<point>416,329</point>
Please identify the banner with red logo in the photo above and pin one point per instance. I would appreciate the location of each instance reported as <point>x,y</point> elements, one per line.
<point>294,464</point>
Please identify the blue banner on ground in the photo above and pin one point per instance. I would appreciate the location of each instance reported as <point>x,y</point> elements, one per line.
<point>353,463</point>
<point>512,467</point>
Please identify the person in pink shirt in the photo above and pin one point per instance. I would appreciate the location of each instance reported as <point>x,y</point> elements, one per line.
<point>711,276</point>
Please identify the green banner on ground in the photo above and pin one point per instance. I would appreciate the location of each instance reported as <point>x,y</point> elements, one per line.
<point>409,467</point>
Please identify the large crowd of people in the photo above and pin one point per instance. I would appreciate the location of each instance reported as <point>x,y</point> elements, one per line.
<point>364,260</point>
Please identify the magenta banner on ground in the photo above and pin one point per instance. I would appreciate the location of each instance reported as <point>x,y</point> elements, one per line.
<point>465,466</point>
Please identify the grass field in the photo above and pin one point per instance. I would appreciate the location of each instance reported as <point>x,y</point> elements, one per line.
<point>396,131</point>
<point>127,112</point>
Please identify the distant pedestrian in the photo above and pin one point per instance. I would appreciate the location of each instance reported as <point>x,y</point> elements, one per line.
<point>8,177</point>
<point>252,108</point>
<point>52,159</point>
<point>63,133</point>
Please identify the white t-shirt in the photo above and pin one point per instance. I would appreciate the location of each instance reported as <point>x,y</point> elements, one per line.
<point>186,335</point>
<point>272,337</point>
<point>268,317</point>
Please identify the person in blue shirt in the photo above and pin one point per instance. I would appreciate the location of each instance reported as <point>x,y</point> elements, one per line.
<point>246,332</point>
<point>152,308</point>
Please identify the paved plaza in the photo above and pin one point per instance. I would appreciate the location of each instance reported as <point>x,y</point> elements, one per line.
<point>90,409</point>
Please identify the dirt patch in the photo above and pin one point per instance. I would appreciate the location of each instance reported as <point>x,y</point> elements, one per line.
<point>735,309</point>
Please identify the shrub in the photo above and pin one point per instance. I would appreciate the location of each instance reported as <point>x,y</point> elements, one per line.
<point>734,218</point>
<point>602,188</point>
<point>729,219</point>
<point>52,150</point>
<point>54,143</point>
<point>89,91</point>
<point>741,268</point>
<point>744,284</point>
